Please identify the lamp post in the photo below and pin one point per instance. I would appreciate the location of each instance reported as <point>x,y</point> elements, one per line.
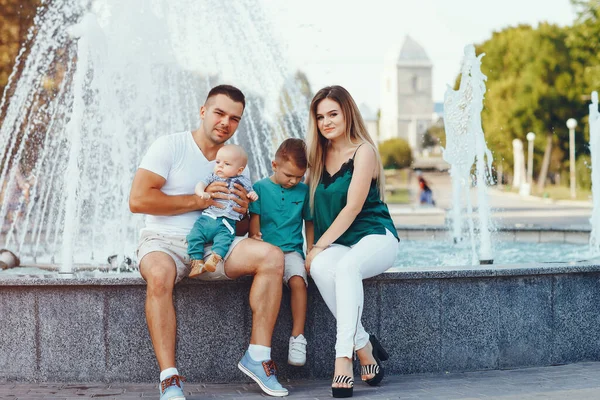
<point>530,139</point>
<point>572,124</point>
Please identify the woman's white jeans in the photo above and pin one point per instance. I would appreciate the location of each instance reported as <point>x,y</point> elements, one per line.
<point>338,272</point>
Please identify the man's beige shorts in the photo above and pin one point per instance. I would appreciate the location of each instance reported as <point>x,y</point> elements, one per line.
<point>176,247</point>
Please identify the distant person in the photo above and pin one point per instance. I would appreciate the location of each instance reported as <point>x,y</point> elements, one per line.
<point>425,195</point>
<point>277,218</point>
<point>355,237</point>
<point>217,223</point>
<point>16,198</point>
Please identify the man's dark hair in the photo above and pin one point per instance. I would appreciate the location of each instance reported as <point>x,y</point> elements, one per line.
<point>293,150</point>
<point>232,92</point>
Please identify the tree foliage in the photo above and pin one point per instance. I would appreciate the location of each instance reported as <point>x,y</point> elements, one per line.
<point>530,88</point>
<point>435,135</point>
<point>584,172</point>
<point>16,17</point>
<point>584,46</point>
<point>537,79</point>
<point>395,153</point>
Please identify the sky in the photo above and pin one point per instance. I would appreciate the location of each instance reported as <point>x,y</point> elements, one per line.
<point>346,42</point>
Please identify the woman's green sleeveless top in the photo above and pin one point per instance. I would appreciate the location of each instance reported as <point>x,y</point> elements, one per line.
<point>331,196</point>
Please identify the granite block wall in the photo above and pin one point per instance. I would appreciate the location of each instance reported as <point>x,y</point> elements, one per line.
<point>93,329</point>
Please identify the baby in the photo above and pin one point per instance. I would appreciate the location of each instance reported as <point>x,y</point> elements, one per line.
<point>217,225</point>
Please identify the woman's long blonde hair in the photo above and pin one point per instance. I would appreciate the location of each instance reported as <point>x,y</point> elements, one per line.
<point>356,133</point>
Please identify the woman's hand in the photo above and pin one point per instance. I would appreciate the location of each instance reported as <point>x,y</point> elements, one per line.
<point>310,256</point>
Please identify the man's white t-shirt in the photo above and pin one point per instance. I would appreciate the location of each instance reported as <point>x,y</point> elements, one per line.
<point>179,160</point>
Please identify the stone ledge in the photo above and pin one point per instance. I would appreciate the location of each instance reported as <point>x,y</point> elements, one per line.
<point>434,272</point>
<point>531,234</point>
<point>430,320</point>
<point>435,228</point>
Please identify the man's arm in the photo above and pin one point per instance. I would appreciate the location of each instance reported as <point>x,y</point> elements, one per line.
<point>147,198</point>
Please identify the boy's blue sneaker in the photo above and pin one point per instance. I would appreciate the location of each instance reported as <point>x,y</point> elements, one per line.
<point>171,388</point>
<point>264,373</point>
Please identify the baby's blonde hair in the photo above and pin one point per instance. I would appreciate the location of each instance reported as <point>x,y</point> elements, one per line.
<point>241,153</point>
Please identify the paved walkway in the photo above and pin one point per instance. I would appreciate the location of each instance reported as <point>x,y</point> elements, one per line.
<point>508,209</point>
<point>572,382</point>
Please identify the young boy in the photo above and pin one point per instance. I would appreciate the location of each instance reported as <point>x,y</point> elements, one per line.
<point>277,218</point>
<point>217,225</point>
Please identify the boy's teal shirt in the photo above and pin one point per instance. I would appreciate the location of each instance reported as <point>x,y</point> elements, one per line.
<point>282,212</point>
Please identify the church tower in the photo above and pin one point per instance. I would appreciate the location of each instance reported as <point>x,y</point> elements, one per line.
<point>407,95</point>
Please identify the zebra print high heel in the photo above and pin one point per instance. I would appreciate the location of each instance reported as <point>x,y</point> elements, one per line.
<point>380,355</point>
<point>343,392</point>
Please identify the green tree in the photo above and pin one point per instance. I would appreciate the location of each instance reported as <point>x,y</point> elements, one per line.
<point>395,153</point>
<point>435,135</point>
<point>530,87</point>
<point>584,47</point>
<point>16,17</point>
<point>584,172</point>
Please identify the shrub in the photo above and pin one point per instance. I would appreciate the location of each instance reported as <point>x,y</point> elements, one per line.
<point>395,153</point>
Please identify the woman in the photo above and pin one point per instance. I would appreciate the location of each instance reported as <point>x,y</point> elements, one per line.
<point>426,195</point>
<point>355,237</point>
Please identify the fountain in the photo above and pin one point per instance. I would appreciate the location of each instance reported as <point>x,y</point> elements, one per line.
<point>102,81</point>
<point>594,121</point>
<point>465,144</point>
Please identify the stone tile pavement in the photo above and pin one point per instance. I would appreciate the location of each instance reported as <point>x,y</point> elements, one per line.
<point>572,382</point>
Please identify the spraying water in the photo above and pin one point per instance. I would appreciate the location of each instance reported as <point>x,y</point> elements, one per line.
<point>98,82</point>
<point>594,121</point>
<point>465,144</point>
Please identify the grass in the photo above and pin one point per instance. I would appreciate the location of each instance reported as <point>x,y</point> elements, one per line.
<point>562,193</point>
<point>396,182</point>
<point>396,177</point>
<point>557,192</point>
<point>398,196</point>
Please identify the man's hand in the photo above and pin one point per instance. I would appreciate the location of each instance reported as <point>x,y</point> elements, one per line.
<point>217,190</point>
<point>241,199</point>
<point>202,202</point>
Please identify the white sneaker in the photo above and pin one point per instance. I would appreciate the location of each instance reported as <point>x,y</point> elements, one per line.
<point>297,351</point>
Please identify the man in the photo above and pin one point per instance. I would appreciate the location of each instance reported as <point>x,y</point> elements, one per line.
<point>163,188</point>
